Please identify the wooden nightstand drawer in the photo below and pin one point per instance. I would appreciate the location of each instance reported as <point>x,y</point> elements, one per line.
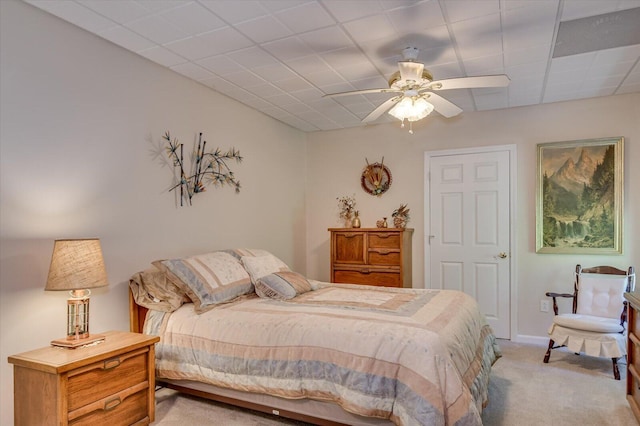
<point>116,409</point>
<point>105,378</point>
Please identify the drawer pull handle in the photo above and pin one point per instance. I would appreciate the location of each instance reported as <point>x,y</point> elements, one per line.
<point>382,251</point>
<point>111,364</point>
<point>384,235</point>
<point>112,403</point>
<point>349,235</point>
<point>364,271</point>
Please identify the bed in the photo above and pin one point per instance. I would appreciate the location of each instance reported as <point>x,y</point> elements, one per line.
<point>238,326</point>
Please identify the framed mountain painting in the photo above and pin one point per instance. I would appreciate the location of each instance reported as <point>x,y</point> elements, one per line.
<point>579,197</point>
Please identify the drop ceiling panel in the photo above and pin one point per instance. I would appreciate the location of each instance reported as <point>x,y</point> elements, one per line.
<point>76,13</point>
<point>281,56</point>
<point>464,10</point>
<point>192,18</point>
<point>120,12</point>
<point>157,29</point>
<point>233,11</point>
<point>345,11</point>
<point>327,39</point>
<point>298,18</point>
<point>162,56</point>
<point>377,27</point>
<point>126,38</point>
<point>263,29</point>
<point>221,65</point>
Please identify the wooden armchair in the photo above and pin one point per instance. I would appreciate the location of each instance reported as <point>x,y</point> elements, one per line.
<point>596,325</point>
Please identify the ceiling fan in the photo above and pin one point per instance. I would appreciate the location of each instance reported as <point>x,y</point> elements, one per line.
<point>414,89</point>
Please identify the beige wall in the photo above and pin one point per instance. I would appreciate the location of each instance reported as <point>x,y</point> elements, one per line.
<point>336,160</point>
<point>80,120</point>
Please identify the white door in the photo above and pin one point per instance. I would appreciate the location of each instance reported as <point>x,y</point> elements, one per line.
<point>469,230</point>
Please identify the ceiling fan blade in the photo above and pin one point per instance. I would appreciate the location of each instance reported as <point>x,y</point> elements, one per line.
<point>470,82</point>
<point>382,108</point>
<point>410,71</point>
<point>443,106</point>
<point>361,92</point>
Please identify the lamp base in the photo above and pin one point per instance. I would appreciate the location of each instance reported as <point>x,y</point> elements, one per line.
<point>74,343</point>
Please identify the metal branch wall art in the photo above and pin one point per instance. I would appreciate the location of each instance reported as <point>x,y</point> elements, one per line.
<point>206,168</point>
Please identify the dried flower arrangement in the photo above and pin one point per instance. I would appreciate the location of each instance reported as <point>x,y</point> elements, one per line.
<point>346,207</point>
<point>207,168</point>
<point>400,216</point>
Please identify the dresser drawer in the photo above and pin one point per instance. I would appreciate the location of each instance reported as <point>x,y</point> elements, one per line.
<point>384,256</point>
<point>102,379</point>
<point>634,349</point>
<point>385,240</point>
<point>124,408</point>
<point>369,277</point>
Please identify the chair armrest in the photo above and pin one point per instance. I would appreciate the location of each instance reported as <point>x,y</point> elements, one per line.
<point>549,294</point>
<point>555,304</point>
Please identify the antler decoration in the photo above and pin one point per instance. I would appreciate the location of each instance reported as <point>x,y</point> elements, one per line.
<point>209,168</point>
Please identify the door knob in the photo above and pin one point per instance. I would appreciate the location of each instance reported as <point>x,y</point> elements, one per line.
<point>502,255</point>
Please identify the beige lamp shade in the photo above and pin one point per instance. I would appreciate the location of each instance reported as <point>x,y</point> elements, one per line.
<point>76,264</point>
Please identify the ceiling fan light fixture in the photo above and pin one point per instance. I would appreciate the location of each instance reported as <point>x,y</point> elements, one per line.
<point>411,109</point>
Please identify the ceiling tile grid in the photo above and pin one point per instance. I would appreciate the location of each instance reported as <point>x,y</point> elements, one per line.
<point>281,56</point>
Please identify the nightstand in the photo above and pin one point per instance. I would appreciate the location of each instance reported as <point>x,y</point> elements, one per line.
<point>112,382</point>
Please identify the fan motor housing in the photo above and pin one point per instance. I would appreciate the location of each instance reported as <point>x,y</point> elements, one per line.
<point>395,77</point>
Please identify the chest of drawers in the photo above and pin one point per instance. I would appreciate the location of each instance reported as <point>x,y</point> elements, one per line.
<point>633,353</point>
<point>371,256</point>
<point>112,382</point>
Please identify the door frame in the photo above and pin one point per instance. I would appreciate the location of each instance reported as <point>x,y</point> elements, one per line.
<point>513,185</point>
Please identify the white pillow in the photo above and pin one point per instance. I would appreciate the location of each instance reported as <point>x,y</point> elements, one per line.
<point>260,266</point>
<point>208,279</point>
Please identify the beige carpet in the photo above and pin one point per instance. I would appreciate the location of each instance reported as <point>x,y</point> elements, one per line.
<point>570,390</point>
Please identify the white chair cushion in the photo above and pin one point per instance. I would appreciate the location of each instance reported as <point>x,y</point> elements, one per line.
<point>589,323</point>
<point>601,295</point>
<point>606,345</point>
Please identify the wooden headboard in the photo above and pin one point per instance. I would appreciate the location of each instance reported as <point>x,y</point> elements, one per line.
<point>137,315</point>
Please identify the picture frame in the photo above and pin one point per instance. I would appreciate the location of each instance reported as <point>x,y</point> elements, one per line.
<point>579,197</point>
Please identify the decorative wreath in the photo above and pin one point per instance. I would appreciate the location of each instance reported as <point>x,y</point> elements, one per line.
<point>376,178</point>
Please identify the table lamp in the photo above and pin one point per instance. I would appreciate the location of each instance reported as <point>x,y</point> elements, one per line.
<point>77,265</point>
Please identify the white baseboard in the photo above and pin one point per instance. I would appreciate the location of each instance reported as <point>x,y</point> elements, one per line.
<point>532,340</point>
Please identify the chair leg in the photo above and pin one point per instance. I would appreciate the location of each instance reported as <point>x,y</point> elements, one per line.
<point>548,354</point>
<point>616,370</point>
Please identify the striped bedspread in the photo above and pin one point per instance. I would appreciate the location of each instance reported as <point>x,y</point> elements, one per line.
<point>416,357</point>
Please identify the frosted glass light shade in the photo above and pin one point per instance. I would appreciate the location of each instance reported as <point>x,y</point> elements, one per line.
<point>411,109</point>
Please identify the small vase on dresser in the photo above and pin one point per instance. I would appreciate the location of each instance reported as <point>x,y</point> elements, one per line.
<point>355,223</point>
